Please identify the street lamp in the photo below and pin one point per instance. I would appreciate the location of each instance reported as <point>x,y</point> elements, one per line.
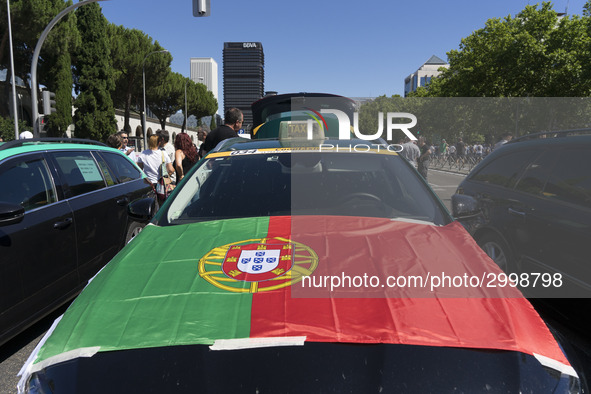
<point>144,87</point>
<point>186,121</point>
<point>34,87</point>
<point>12,72</point>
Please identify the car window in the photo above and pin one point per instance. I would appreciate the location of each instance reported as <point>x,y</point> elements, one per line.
<point>303,184</point>
<point>570,180</point>
<point>79,171</point>
<point>27,182</point>
<point>536,173</point>
<point>108,175</point>
<point>123,170</point>
<point>503,170</point>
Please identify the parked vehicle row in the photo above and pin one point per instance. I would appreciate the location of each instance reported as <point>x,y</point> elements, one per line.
<point>227,280</point>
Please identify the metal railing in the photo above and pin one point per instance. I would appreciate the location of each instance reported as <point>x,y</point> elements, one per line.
<point>455,163</point>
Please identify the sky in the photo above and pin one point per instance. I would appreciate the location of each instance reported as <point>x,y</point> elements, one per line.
<point>351,48</point>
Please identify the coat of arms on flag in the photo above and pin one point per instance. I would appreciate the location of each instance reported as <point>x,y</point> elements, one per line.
<point>258,265</point>
<point>258,262</point>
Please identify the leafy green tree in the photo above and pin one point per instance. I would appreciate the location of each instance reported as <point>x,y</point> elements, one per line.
<point>166,97</point>
<point>7,128</point>
<point>95,115</point>
<point>200,101</point>
<point>129,50</point>
<point>533,54</point>
<point>29,18</point>
<point>56,71</point>
<point>519,64</point>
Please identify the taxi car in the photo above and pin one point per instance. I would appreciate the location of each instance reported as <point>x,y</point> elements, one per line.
<point>273,111</point>
<point>286,265</point>
<point>63,216</point>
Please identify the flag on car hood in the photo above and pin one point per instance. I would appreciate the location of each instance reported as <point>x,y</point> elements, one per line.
<point>250,278</point>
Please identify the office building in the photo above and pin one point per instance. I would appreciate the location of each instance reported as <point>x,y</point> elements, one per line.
<point>206,68</point>
<point>423,75</point>
<point>244,77</point>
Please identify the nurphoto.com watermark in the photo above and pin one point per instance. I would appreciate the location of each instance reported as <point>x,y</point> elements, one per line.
<point>434,281</point>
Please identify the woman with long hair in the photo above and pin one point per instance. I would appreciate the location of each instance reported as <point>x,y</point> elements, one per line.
<point>185,155</point>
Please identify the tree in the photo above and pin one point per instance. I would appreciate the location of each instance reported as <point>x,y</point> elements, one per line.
<point>166,97</point>
<point>517,67</point>
<point>129,50</point>
<point>200,101</point>
<point>95,115</point>
<point>56,71</point>
<point>531,54</point>
<point>29,19</point>
<point>7,128</point>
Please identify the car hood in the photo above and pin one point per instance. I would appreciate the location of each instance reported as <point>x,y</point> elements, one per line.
<point>201,284</point>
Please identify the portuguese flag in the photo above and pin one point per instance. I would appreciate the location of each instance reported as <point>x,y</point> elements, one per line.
<point>251,278</point>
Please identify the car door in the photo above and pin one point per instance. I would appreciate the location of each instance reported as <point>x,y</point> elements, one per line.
<point>131,182</point>
<point>533,227</point>
<point>560,223</point>
<point>99,209</point>
<point>38,269</point>
<point>493,186</point>
<point>128,176</point>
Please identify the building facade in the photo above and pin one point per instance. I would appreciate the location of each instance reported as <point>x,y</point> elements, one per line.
<point>205,70</point>
<point>244,77</point>
<point>423,75</point>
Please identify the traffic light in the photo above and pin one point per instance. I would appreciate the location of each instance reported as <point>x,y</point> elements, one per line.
<point>201,8</point>
<point>48,102</point>
<point>43,124</point>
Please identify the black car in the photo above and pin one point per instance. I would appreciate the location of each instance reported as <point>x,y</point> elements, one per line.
<point>62,218</point>
<point>534,196</point>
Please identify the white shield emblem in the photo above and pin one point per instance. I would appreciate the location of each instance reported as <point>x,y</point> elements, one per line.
<point>258,261</point>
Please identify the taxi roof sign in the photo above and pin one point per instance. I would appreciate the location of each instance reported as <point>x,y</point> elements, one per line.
<point>301,130</point>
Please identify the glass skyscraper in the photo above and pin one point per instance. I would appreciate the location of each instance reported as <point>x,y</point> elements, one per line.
<point>244,76</point>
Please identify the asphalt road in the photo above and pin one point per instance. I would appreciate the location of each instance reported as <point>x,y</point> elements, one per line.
<point>14,353</point>
<point>444,184</point>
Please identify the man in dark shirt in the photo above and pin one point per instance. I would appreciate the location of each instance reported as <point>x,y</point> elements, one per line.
<point>232,123</point>
<point>460,148</point>
<point>425,158</point>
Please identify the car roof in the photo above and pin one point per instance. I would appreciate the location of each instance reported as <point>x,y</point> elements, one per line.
<point>12,148</point>
<point>543,140</point>
<point>240,143</point>
<point>554,137</point>
<point>274,104</point>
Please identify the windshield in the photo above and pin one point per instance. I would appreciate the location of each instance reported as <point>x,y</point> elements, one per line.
<point>250,184</point>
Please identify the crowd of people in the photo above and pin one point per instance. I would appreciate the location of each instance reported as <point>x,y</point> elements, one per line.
<point>419,153</point>
<point>177,158</point>
<point>180,156</point>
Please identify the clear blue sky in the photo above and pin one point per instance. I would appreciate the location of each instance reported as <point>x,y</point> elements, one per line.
<point>352,48</point>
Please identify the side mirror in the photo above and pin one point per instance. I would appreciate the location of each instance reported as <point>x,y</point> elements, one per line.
<point>11,213</point>
<point>464,207</point>
<point>142,210</point>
